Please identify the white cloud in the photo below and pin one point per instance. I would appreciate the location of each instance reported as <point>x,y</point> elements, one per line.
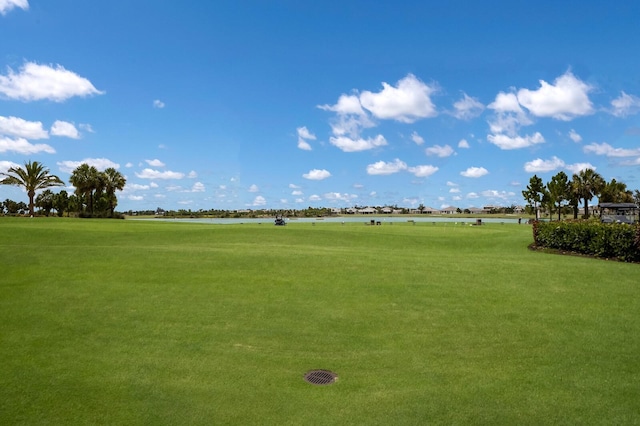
<point>503,141</point>
<point>423,171</point>
<point>254,188</point>
<point>294,186</point>
<point>419,140</point>
<point>575,136</point>
<point>351,117</point>
<point>467,108</point>
<point>578,167</point>
<point>86,127</point>
<point>99,163</point>
<point>540,165</point>
<point>23,146</point>
<point>316,174</point>
<point>502,195</point>
<point>472,195</point>
<point>6,165</point>
<point>128,165</point>
<point>625,105</point>
<point>509,115</point>
<point>158,104</point>
<point>609,151</point>
<point>297,193</point>
<point>449,183</point>
<point>347,144</point>
<point>407,102</point>
<point>337,196</point>
<point>304,133</point>
<point>454,190</point>
<point>156,174</point>
<point>315,197</point>
<point>64,128</point>
<point>136,187</point>
<point>440,151</point>
<point>198,187</point>
<point>8,5</point>
<point>303,145</point>
<point>474,172</point>
<point>564,100</point>
<point>155,163</point>
<point>36,82</point>
<point>136,197</point>
<point>18,127</point>
<point>463,144</point>
<point>192,174</point>
<point>383,168</point>
<point>456,198</point>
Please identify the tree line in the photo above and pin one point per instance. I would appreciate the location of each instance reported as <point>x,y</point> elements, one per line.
<point>562,192</point>
<point>94,195</point>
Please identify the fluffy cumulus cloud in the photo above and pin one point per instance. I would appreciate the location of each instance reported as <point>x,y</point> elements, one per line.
<point>158,104</point>
<point>423,170</point>
<point>254,188</point>
<point>155,163</point>
<point>467,108</point>
<point>99,163</point>
<point>386,168</point>
<point>419,140</point>
<point>350,118</point>
<point>348,144</point>
<point>508,114</point>
<point>156,174</point>
<point>337,196</point>
<point>541,166</point>
<point>8,5</point>
<point>6,165</point>
<point>565,99</point>
<point>304,135</point>
<point>474,172</point>
<point>507,142</point>
<point>37,82</point>
<point>463,144</point>
<point>20,128</point>
<point>23,146</point>
<point>317,174</point>
<point>66,129</point>
<point>407,102</point>
<point>440,151</point>
<point>578,167</point>
<point>574,136</point>
<point>500,195</point>
<point>198,187</point>
<point>609,151</point>
<point>625,105</point>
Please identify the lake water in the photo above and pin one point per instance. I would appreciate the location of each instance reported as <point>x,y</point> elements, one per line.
<point>341,219</point>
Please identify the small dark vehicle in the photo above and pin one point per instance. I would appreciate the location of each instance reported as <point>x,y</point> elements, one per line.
<point>280,220</point>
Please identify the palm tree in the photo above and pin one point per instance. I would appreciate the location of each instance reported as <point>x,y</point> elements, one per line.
<point>616,192</point>
<point>33,177</point>
<point>86,179</point>
<point>112,180</point>
<point>588,184</point>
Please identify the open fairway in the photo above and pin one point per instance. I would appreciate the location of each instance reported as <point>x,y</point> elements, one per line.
<point>131,322</point>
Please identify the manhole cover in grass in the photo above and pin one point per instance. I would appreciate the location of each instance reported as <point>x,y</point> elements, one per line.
<point>320,377</point>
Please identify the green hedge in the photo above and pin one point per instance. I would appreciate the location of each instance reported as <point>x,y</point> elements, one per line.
<point>605,240</point>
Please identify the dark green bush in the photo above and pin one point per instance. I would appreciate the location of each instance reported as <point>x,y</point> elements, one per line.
<point>605,240</point>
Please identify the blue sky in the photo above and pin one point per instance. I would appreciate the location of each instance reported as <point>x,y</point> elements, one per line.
<point>290,104</point>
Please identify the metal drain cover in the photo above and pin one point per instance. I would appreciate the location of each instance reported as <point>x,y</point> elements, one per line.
<point>320,377</point>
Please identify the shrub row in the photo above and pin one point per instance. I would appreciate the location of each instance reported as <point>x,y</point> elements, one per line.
<point>605,240</point>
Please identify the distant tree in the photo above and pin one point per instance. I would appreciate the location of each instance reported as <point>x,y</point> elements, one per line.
<point>588,184</point>
<point>33,177</point>
<point>45,201</point>
<point>636,197</point>
<point>534,193</point>
<point>421,208</point>
<point>559,190</point>
<point>61,202</point>
<point>85,179</point>
<point>615,192</point>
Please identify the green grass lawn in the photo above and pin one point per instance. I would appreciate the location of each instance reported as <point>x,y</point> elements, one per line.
<point>130,322</point>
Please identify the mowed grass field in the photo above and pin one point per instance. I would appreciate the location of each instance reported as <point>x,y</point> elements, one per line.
<point>132,322</point>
